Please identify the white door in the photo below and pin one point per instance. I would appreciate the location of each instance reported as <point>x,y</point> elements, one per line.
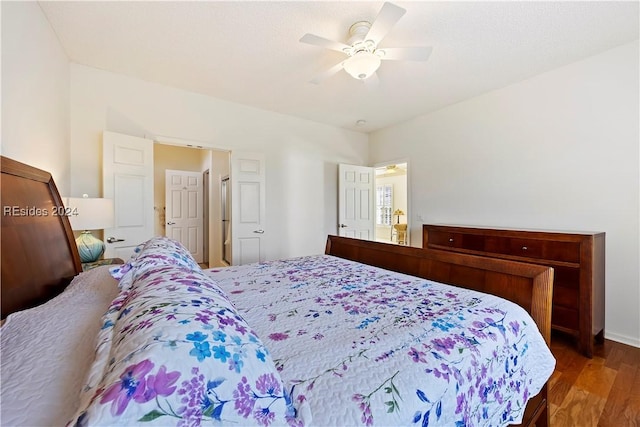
<point>248,207</point>
<point>356,204</point>
<point>184,210</point>
<point>127,178</point>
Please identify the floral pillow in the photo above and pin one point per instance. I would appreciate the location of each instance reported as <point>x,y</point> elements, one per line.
<point>174,351</point>
<point>158,251</point>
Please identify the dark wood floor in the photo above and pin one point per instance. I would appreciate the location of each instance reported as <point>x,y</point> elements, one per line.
<point>603,391</point>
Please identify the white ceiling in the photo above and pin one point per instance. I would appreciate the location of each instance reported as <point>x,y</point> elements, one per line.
<point>249,51</point>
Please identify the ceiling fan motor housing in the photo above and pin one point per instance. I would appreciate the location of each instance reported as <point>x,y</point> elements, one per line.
<point>357,42</point>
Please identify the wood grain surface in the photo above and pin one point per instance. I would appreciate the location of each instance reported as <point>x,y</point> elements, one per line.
<point>600,392</point>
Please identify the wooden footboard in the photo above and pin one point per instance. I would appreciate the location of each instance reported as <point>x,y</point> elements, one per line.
<point>537,410</point>
<point>528,285</point>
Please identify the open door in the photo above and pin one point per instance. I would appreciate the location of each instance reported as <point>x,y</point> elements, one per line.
<point>127,178</point>
<point>248,207</point>
<point>356,204</point>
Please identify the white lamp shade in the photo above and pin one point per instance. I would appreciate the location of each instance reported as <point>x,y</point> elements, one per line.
<point>362,65</point>
<point>89,213</point>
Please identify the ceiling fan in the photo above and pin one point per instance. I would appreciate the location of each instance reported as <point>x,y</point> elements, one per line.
<point>364,54</point>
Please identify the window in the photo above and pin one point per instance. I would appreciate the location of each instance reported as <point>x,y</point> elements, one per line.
<point>384,204</point>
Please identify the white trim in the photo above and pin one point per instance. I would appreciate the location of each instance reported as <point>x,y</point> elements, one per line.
<point>632,341</point>
<point>182,142</point>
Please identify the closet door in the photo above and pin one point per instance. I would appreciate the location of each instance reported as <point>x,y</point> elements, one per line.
<point>248,207</point>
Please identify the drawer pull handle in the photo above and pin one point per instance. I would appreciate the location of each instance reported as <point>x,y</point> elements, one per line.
<point>524,248</point>
<point>451,240</point>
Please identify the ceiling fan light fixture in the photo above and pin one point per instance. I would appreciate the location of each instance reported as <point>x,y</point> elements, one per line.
<point>362,65</point>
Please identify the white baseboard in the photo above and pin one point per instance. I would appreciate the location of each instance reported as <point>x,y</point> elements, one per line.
<point>632,341</point>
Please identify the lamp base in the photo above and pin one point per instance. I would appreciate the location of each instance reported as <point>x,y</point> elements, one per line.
<point>89,247</point>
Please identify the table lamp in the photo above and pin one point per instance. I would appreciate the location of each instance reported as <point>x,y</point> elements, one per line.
<point>398,212</point>
<point>89,214</point>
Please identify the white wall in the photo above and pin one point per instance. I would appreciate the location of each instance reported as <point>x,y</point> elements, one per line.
<point>301,156</point>
<point>558,151</point>
<point>35,92</point>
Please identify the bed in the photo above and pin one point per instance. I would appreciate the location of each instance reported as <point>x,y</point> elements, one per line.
<point>364,334</point>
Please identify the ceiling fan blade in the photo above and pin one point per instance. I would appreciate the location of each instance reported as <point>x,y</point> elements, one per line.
<point>327,73</point>
<point>322,42</point>
<point>406,53</point>
<point>387,17</point>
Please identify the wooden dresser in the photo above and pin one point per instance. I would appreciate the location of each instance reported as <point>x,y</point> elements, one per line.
<point>576,257</point>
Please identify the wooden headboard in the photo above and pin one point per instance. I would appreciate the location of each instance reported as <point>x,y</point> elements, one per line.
<point>528,285</point>
<point>38,254</point>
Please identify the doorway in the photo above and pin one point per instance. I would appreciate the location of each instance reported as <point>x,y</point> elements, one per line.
<point>138,190</point>
<point>210,164</point>
<point>392,203</point>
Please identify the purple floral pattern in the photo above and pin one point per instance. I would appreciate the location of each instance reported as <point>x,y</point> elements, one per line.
<point>174,351</point>
<point>365,346</point>
<point>156,252</point>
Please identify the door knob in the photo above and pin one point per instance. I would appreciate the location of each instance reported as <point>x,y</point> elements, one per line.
<point>171,223</point>
<point>343,226</point>
<point>258,231</point>
<point>113,240</point>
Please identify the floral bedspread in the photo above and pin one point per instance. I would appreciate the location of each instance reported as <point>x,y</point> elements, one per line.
<point>173,350</point>
<point>358,345</point>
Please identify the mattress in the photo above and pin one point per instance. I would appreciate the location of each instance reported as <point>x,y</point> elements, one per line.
<point>365,346</point>
<point>47,350</point>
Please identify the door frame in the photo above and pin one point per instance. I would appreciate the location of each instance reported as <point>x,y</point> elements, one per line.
<point>409,193</point>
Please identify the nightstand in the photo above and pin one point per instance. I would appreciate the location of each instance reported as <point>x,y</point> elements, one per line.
<point>107,261</point>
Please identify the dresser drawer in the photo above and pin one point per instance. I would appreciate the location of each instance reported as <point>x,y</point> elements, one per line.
<point>533,248</point>
<point>457,240</point>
